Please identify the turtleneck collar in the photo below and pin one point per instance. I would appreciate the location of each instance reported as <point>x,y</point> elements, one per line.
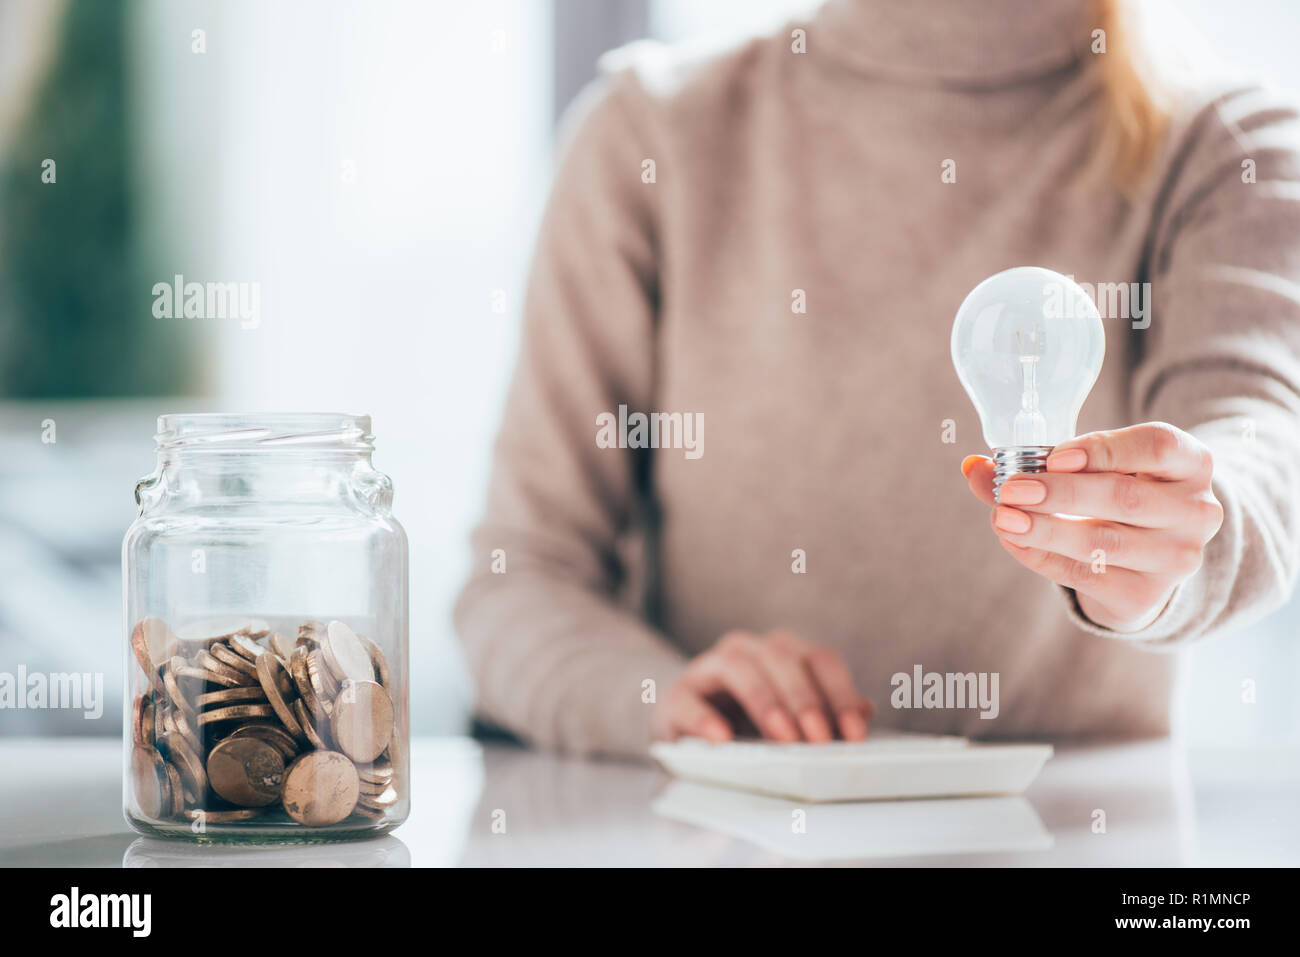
<point>974,43</point>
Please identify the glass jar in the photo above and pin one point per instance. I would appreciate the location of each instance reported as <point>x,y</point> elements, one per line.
<point>266,634</point>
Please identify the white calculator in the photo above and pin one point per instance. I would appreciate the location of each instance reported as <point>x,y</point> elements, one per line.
<point>886,766</point>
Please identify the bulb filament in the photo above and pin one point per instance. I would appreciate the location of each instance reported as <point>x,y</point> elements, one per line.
<point>1030,426</point>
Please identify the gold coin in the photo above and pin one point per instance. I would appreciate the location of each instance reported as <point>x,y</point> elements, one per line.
<point>344,655</point>
<point>374,790</point>
<point>308,725</point>
<point>362,722</point>
<point>298,668</point>
<point>396,755</point>
<point>269,731</point>
<point>311,633</point>
<point>152,642</point>
<point>147,720</point>
<point>231,712</point>
<point>379,661</point>
<point>166,723</point>
<point>175,788</point>
<point>231,696</point>
<point>171,683</point>
<point>282,646</point>
<point>137,720</point>
<point>271,674</point>
<point>212,664</point>
<point>209,677</point>
<point>378,802</point>
<point>181,753</point>
<point>225,817</point>
<point>246,771</point>
<point>232,660</point>
<point>320,788</point>
<point>322,682</point>
<point>381,772</point>
<point>149,782</point>
<point>256,628</point>
<point>186,726</point>
<point>248,647</point>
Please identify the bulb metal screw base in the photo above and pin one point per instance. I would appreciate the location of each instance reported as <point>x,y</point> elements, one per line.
<point>1017,459</point>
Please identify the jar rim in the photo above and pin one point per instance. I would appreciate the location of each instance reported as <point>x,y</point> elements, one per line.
<point>221,431</point>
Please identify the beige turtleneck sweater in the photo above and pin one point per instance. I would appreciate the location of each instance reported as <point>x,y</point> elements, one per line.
<point>597,569</point>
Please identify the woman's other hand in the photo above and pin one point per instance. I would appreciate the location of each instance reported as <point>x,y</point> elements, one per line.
<point>778,686</point>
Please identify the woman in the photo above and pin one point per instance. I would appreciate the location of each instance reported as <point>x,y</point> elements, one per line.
<point>773,241</point>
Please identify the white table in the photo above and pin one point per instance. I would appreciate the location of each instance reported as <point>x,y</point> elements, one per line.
<point>60,805</point>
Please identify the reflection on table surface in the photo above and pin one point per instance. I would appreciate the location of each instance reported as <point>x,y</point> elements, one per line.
<point>386,851</point>
<point>1131,804</point>
<point>850,831</point>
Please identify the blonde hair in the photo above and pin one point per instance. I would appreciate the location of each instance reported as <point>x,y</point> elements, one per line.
<point>1136,99</point>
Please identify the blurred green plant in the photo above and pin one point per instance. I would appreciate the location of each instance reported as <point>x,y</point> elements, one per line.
<point>75,302</point>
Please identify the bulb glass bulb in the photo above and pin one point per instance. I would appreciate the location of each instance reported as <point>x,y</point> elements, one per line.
<point>1027,344</point>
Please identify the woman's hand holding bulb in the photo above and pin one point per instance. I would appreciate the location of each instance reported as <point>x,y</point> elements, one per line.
<point>1122,517</point>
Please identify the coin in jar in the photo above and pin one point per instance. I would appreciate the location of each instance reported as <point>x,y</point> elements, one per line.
<point>176,789</point>
<point>148,721</point>
<point>137,719</point>
<point>196,673</point>
<point>232,659</point>
<point>171,674</point>
<point>362,722</point>
<point>246,771</point>
<point>381,772</point>
<point>345,655</point>
<point>320,788</point>
<point>378,802</point>
<point>322,680</point>
<point>181,753</point>
<point>256,628</point>
<point>298,668</point>
<point>271,674</point>
<point>248,647</point>
<point>212,664</point>
<point>149,782</point>
<point>231,696</point>
<point>308,725</point>
<point>271,732</point>
<point>378,660</point>
<point>153,643</point>
<point>183,725</point>
<point>233,711</point>
<point>281,645</point>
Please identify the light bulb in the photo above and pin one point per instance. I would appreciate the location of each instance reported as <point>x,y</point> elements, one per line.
<point>1027,345</point>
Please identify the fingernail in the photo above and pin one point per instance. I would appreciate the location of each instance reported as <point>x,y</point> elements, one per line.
<point>815,726</point>
<point>852,726</point>
<point>780,726</point>
<point>968,463</point>
<point>1022,492</point>
<point>1011,520</point>
<point>1068,461</point>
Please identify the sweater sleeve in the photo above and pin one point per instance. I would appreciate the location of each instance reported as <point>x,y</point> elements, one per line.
<point>1221,356</point>
<point>555,657</point>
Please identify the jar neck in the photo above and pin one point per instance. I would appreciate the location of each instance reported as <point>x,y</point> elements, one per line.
<point>301,479</point>
<point>259,460</point>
